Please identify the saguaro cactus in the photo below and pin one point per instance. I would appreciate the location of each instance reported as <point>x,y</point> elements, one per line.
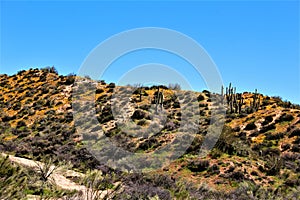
<point>234,100</point>
<point>222,90</point>
<point>159,99</point>
<point>256,101</point>
<point>240,102</point>
<point>140,90</point>
<point>230,97</point>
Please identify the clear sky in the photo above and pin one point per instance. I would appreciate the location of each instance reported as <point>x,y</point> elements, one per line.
<point>255,44</point>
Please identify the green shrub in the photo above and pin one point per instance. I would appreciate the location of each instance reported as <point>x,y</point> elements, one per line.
<point>285,117</point>
<point>250,126</point>
<point>198,165</point>
<point>200,97</point>
<point>267,120</point>
<point>12,180</point>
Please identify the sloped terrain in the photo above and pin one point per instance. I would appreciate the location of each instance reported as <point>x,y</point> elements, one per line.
<point>257,156</point>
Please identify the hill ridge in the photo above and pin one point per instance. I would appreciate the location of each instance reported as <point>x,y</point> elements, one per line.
<point>260,145</point>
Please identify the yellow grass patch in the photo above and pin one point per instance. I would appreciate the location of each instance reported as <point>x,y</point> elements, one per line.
<point>259,139</point>
<point>7,138</point>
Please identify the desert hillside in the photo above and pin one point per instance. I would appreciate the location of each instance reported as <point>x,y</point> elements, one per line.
<point>257,156</point>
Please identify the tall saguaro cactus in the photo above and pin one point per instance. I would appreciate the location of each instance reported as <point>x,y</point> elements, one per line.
<point>159,99</point>
<point>230,97</point>
<point>222,91</point>
<point>240,102</point>
<point>256,101</point>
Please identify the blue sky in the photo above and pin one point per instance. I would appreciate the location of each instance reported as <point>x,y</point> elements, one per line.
<point>255,44</point>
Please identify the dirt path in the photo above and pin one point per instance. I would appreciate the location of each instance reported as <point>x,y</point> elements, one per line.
<point>59,176</point>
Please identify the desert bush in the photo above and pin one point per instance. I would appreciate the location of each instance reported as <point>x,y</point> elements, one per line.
<point>206,92</point>
<point>21,72</point>
<point>54,91</point>
<point>17,106</point>
<point>13,180</point>
<point>142,122</point>
<point>3,83</point>
<point>250,126</point>
<point>215,153</point>
<point>45,171</point>
<point>167,104</point>
<point>214,169</point>
<point>155,87</point>
<point>285,147</point>
<point>267,128</point>
<point>148,186</point>
<point>237,176</point>
<point>288,156</point>
<point>70,79</point>
<point>227,142</point>
<point>236,129</point>
<point>249,190</point>
<point>202,105</point>
<point>285,117</point>
<point>176,104</point>
<point>195,145</point>
<point>271,151</point>
<point>297,140</point>
<point>7,118</point>
<point>149,143</point>
<point>43,77</point>
<point>174,86</point>
<point>99,90</point>
<point>139,114</point>
<point>291,182</point>
<point>296,148</point>
<point>198,165</point>
<point>200,97</point>
<point>106,114</point>
<point>285,104</point>
<point>68,117</point>
<point>267,120</point>
<point>49,69</point>
<point>21,123</point>
<point>103,98</point>
<point>273,165</point>
<point>102,82</point>
<point>275,136</point>
<point>28,101</point>
<point>45,89</point>
<point>295,132</point>
<point>145,107</point>
<point>111,85</point>
<point>170,125</point>
<point>100,186</point>
<point>243,135</point>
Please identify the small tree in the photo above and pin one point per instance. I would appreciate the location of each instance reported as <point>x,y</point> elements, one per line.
<point>50,69</point>
<point>45,170</point>
<point>139,90</point>
<point>174,86</point>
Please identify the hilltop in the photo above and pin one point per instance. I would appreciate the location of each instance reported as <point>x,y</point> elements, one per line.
<point>257,156</point>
